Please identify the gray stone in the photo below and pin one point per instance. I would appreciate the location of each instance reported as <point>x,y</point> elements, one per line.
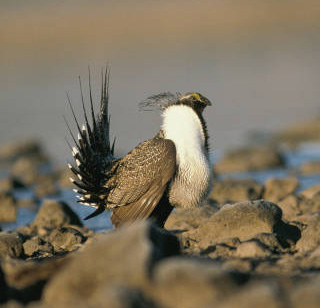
<point>290,207</point>
<point>123,257</point>
<point>9,183</point>
<point>256,294</point>
<point>188,283</point>
<point>310,205</point>
<point>311,167</point>
<point>269,240</point>
<point>8,207</point>
<point>24,148</point>
<point>310,237</point>
<point>26,169</point>
<point>310,192</point>
<point>46,186</point>
<point>37,246</point>
<point>246,159</point>
<point>278,189</point>
<point>26,279</point>
<point>184,219</point>
<point>243,220</point>
<point>10,245</point>
<point>64,176</point>
<point>306,294</point>
<point>236,190</point>
<point>66,238</point>
<point>252,249</point>
<point>120,297</point>
<point>300,132</point>
<point>55,214</point>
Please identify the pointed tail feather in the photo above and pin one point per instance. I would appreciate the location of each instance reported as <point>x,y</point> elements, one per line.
<point>93,151</point>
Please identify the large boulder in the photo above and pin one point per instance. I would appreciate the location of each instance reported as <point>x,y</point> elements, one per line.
<point>122,258</point>
<point>186,219</point>
<point>54,214</point>
<point>242,220</point>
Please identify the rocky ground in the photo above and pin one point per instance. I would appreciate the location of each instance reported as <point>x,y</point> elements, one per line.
<point>252,244</point>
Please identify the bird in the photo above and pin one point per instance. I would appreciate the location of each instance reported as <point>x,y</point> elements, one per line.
<point>170,170</point>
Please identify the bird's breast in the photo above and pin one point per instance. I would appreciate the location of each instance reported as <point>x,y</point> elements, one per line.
<point>192,181</point>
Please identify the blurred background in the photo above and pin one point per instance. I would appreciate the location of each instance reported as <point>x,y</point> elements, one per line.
<point>258,61</point>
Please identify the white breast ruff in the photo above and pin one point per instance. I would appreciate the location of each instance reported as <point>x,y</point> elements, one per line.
<point>192,182</point>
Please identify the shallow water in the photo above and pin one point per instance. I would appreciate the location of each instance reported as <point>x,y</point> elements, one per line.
<point>293,158</point>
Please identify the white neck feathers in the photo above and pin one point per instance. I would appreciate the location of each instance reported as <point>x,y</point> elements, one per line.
<point>182,125</point>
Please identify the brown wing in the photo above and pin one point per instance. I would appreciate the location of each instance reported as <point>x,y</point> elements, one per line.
<point>141,179</point>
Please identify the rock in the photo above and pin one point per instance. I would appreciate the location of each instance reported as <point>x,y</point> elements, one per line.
<point>278,189</point>
<point>220,250</point>
<point>26,279</point>
<point>310,237</point>
<point>10,245</point>
<point>124,257</point>
<point>301,132</point>
<point>255,294</point>
<point>243,220</point>
<point>55,214</point>
<point>182,219</point>
<point>8,207</point>
<point>64,176</point>
<point>311,261</point>
<point>120,297</point>
<point>310,205</point>
<point>252,249</point>
<point>290,207</point>
<point>37,247</point>
<point>67,239</point>
<point>246,159</point>
<point>188,283</point>
<point>25,169</point>
<point>310,192</point>
<point>10,183</point>
<point>306,294</point>
<point>46,186</point>
<point>12,304</point>
<point>311,167</point>
<point>3,287</point>
<point>237,265</point>
<point>26,148</point>
<point>235,190</point>
<point>28,231</point>
<point>30,203</point>
<point>270,241</point>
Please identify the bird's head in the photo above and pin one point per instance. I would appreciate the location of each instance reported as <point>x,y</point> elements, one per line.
<point>164,100</point>
<point>195,100</point>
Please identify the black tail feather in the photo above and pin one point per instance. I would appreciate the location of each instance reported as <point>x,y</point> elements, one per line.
<point>93,155</point>
<point>97,212</point>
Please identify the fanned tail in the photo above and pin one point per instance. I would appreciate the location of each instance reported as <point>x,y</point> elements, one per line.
<point>93,152</point>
